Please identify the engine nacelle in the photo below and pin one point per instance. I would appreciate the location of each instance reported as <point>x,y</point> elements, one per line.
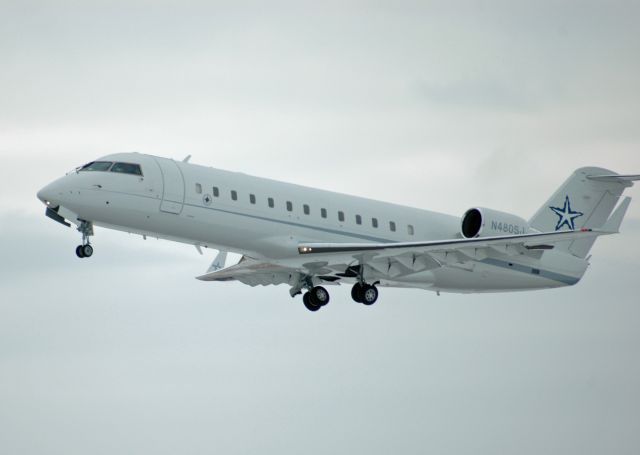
<point>481,222</point>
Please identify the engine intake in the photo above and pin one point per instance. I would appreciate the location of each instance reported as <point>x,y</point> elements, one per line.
<point>482,222</point>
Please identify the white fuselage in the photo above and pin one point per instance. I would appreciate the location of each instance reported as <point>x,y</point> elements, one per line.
<point>267,219</point>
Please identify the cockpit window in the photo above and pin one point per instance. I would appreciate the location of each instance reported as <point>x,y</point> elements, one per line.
<point>97,166</point>
<point>127,168</point>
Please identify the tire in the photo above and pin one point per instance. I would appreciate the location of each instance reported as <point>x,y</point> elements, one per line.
<point>79,252</point>
<point>369,295</point>
<point>356,290</point>
<point>319,296</point>
<point>306,299</point>
<point>87,251</point>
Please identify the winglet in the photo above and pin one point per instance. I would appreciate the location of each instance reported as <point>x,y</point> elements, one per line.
<point>186,159</point>
<point>615,220</point>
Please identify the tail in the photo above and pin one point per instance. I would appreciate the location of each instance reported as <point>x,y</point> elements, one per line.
<point>584,201</point>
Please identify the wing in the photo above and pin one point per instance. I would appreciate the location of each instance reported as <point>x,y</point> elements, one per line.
<point>252,272</point>
<point>523,242</point>
<point>335,261</point>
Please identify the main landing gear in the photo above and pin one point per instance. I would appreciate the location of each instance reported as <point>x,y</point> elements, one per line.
<point>364,293</point>
<point>315,298</point>
<point>85,250</point>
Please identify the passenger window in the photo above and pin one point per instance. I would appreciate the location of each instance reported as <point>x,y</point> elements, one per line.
<point>341,216</point>
<point>271,202</point>
<point>234,195</point>
<point>216,191</point>
<point>374,222</point>
<point>97,166</point>
<point>306,209</point>
<point>323,213</point>
<point>289,206</point>
<point>126,168</point>
<point>358,219</point>
<point>198,188</point>
<point>392,226</point>
<point>410,230</point>
<point>252,198</point>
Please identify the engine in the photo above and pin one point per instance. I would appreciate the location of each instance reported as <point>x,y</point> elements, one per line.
<point>481,222</point>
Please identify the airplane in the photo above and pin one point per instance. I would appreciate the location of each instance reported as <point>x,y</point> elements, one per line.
<point>310,239</point>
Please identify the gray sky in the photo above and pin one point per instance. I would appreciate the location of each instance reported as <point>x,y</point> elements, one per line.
<point>436,105</point>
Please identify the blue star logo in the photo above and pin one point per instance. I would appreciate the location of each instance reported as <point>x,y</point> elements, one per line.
<point>566,215</point>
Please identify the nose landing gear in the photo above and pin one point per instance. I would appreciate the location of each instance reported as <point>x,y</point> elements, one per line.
<point>85,250</point>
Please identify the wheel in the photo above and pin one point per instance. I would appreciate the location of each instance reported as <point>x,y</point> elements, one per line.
<point>356,290</point>
<point>306,299</point>
<point>369,294</point>
<point>87,251</point>
<point>79,252</point>
<point>319,296</point>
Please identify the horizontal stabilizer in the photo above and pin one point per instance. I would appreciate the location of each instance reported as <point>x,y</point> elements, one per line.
<point>614,178</point>
<point>614,222</point>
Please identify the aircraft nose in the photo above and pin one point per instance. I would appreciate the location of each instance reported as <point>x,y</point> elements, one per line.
<point>45,194</point>
<point>50,194</point>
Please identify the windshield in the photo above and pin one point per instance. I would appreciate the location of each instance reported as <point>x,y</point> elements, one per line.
<point>97,166</point>
<point>109,166</point>
<point>127,168</point>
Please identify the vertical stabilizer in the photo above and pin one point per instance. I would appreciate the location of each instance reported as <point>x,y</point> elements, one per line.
<point>585,200</point>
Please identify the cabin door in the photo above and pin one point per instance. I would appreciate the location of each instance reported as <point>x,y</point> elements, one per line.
<point>172,186</point>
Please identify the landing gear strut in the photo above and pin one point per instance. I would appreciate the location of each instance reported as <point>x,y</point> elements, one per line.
<point>315,298</point>
<point>85,250</point>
